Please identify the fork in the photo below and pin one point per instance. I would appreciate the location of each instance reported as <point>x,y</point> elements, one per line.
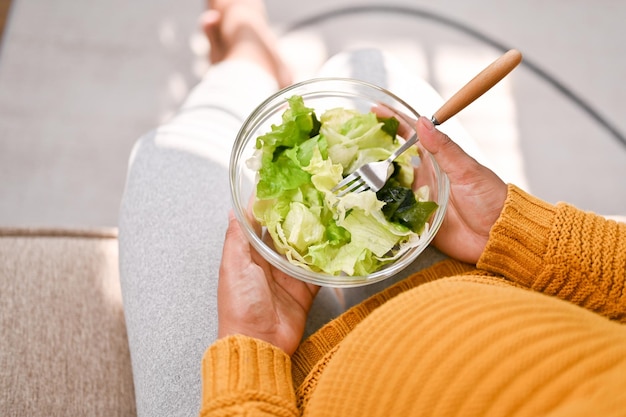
<point>374,175</point>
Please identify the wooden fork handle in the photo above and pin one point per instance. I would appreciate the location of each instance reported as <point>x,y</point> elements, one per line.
<point>479,85</point>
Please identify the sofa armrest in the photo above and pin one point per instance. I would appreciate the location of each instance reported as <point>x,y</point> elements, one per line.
<point>63,345</point>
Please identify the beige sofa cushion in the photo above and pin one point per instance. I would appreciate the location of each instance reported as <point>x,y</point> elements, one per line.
<point>63,346</point>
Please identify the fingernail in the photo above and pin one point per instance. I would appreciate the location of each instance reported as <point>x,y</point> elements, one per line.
<point>428,124</point>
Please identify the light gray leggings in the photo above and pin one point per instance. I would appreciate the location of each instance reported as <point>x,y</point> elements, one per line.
<point>173,218</point>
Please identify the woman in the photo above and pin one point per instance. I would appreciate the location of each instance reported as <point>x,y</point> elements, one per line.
<point>524,318</point>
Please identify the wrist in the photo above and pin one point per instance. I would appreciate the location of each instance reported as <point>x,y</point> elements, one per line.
<point>246,365</point>
<point>518,239</point>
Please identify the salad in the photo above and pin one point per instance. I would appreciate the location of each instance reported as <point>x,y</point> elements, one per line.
<point>298,163</point>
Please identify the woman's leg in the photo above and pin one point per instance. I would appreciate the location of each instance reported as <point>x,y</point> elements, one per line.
<point>174,214</point>
<point>172,222</point>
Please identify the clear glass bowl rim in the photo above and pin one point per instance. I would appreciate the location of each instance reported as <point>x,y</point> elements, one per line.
<point>279,261</point>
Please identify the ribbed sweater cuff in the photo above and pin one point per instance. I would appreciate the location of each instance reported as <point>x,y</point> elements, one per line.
<point>518,240</point>
<point>240,369</point>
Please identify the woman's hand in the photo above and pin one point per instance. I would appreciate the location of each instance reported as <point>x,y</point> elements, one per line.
<point>255,299</point>
<point>477,196</point>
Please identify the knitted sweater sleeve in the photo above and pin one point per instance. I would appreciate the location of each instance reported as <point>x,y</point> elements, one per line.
<point>242,376</point>
<point>560,251</point>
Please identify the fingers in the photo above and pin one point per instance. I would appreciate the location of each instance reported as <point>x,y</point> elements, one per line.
<point>236,245</point>
<point>237,248</point>
<point>237,251</point>
<point>450,157</point>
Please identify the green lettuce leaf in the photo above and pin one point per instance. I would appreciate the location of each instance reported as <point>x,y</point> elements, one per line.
<point>302,159</point>
<point>280,176</point>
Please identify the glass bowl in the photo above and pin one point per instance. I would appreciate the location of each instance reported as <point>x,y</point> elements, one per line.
<point>323,94</point>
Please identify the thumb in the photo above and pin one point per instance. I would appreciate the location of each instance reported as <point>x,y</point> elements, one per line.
<point>235,242</point>
<point>447,153</point>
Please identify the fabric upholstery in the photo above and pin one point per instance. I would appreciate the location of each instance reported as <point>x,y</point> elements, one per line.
<point>63,347</point>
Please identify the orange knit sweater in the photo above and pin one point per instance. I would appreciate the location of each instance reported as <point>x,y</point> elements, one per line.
<point>535,328</point>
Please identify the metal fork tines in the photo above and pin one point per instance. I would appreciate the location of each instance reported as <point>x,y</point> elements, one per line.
<point>372,176</point>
